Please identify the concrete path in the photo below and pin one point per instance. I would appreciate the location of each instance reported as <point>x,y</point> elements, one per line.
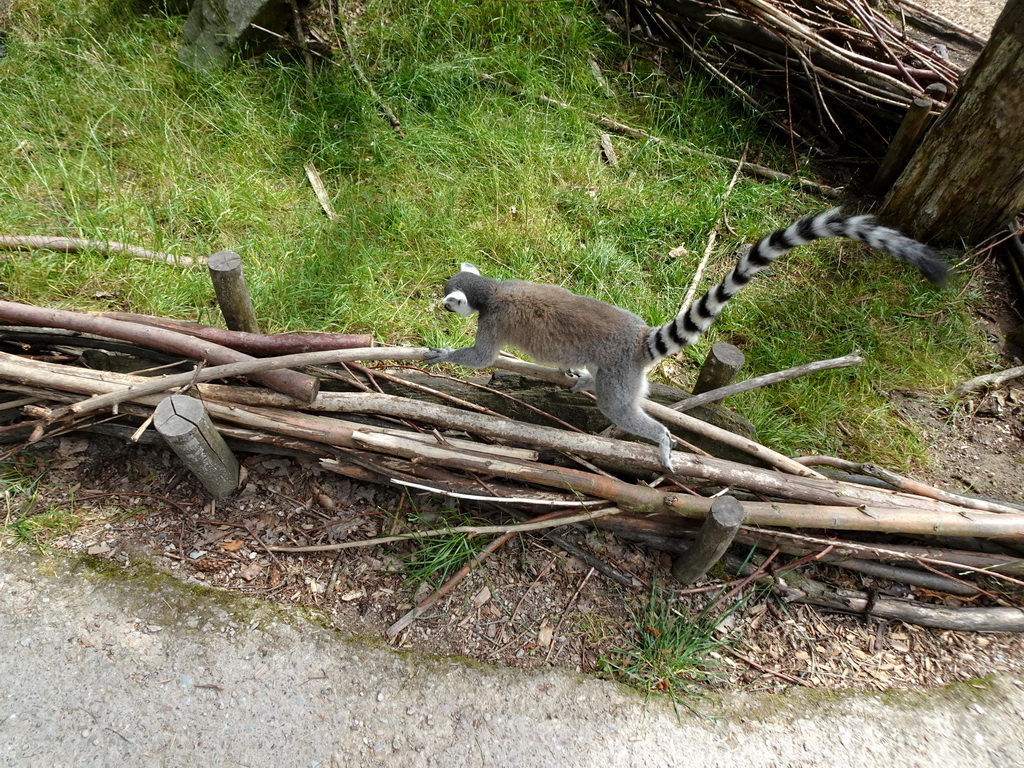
<point>117,667</point>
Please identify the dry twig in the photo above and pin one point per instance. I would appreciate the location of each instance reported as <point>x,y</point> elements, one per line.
<point>715,395</point>
<point>321,192</point>
<point>855,77</point>
<point>989,381</point>
<point>78,244</point>
<point>699,272</point>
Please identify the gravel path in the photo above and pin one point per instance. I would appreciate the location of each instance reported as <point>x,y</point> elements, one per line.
<point>130,667</point>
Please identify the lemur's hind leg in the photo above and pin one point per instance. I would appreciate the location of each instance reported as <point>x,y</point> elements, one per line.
<point>619,396</point>
<point>584,379</point>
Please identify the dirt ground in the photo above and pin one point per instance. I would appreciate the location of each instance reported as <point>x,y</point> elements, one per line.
<point>977,443</point>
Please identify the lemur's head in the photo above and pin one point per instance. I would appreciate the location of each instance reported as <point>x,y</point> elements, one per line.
<point>463,291</point>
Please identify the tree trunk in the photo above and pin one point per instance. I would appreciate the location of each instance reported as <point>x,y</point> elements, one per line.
<point>966,181</point>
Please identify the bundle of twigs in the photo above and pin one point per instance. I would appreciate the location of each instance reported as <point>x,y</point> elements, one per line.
<point>840,71</point>
<point>450,446</point>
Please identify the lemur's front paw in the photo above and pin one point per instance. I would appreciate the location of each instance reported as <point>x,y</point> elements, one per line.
<point>437,355</point>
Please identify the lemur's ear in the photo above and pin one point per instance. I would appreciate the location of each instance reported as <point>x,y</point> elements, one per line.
<point>467,267</point>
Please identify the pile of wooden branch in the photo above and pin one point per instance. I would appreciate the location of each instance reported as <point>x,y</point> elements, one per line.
<point>838,71</point>
<point>418,436</point>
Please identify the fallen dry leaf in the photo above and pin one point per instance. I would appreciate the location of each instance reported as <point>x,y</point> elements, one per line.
<point>545,636</point>
<point>482,597</point>
<point>251,571</point>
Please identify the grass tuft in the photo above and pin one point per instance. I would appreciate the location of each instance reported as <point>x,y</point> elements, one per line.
<point>436,558</point>
<point>21,520</point>
<point>668,650</point>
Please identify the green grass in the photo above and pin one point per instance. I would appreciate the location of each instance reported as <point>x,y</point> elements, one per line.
<point>436,558</point>
<point>22,521</point>
<point>668,651</point>
<point>39,528</point>
<point>18,489</point>
<point>104,135</point>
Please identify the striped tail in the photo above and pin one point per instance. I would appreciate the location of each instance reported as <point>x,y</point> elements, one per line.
<point>687,327</point>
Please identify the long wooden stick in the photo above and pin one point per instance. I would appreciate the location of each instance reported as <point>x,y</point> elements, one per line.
<point>760,39</point>
<point>710,469</point>
<point>256,344</point>
<point>647,500</point>
<point>494,428</point>
<point>901,483</point>
<point>552,520</point>
<point>302,387</point>
<point>752,169</point>
<point>408,353</point>
<point>791,26</point>
<point>945,22</point>
<point>77,244</point>
<point>650,501</point>
<point>905,514</point>
<point>389,114</point>
<point>757,382</point>
<point>865,17</point>
<point>321,192</point>
<point>248,367</point>
<point>725,437</point>
<point>666,534</point>
<point>448,586</point>
<point>799,588</point>
<point>669,416</point>
<point>710,246</point>
<point>989,381</point>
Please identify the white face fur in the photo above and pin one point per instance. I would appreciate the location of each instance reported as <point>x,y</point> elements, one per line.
<point>456,301</point>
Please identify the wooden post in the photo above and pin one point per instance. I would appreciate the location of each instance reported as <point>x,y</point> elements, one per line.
<point>720,368</point>
<point>232,292</point>
<point>903,144</point>
<point>185,425</point>
<point>714,537</point>
<point>1015,252</point>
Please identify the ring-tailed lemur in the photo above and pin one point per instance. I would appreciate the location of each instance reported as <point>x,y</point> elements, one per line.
<point>618,348</point>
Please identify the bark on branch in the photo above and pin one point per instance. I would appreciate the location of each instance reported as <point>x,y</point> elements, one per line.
<point>255,344</point>
<point>78,244</point>
<point>798,588</point>
<point>899,513</point>
<point>298,385</point>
